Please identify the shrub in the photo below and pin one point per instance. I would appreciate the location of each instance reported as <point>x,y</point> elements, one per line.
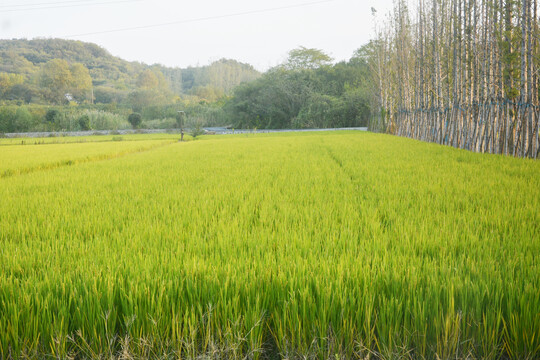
<point>84,122</point>
<point>167,123</point>
<point>23,119</point>
<point>52,115</point>
<point>196,131</point>
<point>104,120</point>
<point>135,119</point>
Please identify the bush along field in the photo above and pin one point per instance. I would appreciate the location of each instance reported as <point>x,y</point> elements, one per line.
<point>312,245</point>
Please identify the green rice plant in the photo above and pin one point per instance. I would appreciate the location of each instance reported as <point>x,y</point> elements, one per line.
<point>24,159</point>
<point>83,139</point>
<point>321,245</point>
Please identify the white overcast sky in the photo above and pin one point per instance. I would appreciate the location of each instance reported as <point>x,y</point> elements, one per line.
<point>258,32</point>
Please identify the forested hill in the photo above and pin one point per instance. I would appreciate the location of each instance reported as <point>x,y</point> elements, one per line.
<point>21,62</point>
<point>53,84</point>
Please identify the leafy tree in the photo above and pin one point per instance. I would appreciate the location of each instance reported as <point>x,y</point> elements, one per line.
<point>272,101</point>
<point>11,61</point>
<point>26,92</point>
<point>81,82</point>
<point>108,95</point>
<point>135,119</point>
<point>304,58</point>
<point>208,92</point>
<point>318,112</point>
<point>53,119</point>
<point>8,81</point>
<point>55,80</point>
<point>327,96</point>
<point>147,80</point>
<point>141,99</point>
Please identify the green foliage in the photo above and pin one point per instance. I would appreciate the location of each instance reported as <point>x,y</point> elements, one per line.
<point>208,93</point>
<point>17,118</point>
<point>81,82</point>
<point>304,58</point>
<point>108,95</point>
<point>8,81</point>
<point>180,119</point>
<point>316,245</point>
<point>60,82</point>
<point>135,119</point>
<point>54,80</point>
<point>105,120</point>
<point>26,92</point>
<point>223,75</point>
<point>7,118</point>
<point>329,96</point>
<point>52,116</point>
<point>65,72</point>
<point>319,111</point>
<point>153,79</point>
<point>167,123</point>
<point>141,99</point>
<point>23,119</point>
<point>65,66</point>
<point>196,130</point>
<point>84,122</point>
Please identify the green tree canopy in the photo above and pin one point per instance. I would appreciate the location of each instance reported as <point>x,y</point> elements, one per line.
<point>147,79</point>
<point>81,82</point>
<point>304,58</point>
<point>8,81</point>
<point>135,119</point>
<point>55,80</point>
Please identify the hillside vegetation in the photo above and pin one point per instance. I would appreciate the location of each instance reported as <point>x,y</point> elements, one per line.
<point>113,79</point>
<point>54,84</point>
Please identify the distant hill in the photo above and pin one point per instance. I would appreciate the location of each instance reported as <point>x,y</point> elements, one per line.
<point>113,76</point>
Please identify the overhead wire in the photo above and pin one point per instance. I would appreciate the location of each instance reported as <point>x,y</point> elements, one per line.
<point>69,6</point>
<point>206,18</point>
<point>43,4</point>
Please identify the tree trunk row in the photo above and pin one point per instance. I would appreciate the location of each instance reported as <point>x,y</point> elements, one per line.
<point>462,73</point>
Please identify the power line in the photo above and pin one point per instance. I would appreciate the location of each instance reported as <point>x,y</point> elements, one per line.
<point>43,4</point>
<point>68,6</point>
<point>200,19</point>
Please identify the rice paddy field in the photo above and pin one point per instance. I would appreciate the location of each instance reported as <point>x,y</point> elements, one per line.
<point>334,245</point>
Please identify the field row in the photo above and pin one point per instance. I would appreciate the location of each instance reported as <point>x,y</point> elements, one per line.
<point>336,244</point>
<point>16,160</point>
<point>85,139</point>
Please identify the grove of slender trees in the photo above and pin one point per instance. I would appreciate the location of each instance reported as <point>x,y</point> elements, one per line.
<point>462,73</point>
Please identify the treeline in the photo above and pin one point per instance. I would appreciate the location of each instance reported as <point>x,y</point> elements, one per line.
<point>77,80</point>
<point>38,118</point>
<point>99,77</point>
<point>462,73</point>
<point>66,85</point>
<point>305,92</point>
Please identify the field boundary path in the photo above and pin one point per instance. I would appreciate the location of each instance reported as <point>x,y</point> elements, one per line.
<point>208,130</point>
